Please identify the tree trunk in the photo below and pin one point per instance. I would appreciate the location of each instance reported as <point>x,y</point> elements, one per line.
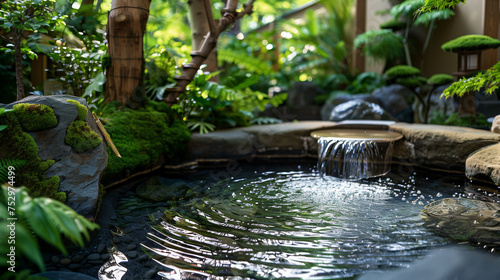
<point>126,26</point>
<point>199,29</point>
<point>18,57</point>
<point>467,106</point>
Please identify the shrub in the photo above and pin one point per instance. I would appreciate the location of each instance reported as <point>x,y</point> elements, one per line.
<point>401,71</point>
<point>393,24</point>
<point>411,82</point>
<point>440,79</point>
<point>34,117</point>
<point>471,43</point>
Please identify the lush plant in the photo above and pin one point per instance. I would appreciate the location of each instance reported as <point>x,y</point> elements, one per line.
<point>381,45</point>
<point>20,145</point>
<point>160,70</point>
<point>42,218</point>
<point>208,105</point>
<point>19,18</point>
<point>142,136</point>
<point>401,71</point>
<point>488,81</point>
<point>440,79</point>
<point>393,24</point>
<point>430,5</point>
<point>366,82</point>
<point>33,117</point>
<point>471,42</point>
<point>478,120</point>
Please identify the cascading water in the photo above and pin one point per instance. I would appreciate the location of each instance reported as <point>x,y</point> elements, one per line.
<point>352,154</point>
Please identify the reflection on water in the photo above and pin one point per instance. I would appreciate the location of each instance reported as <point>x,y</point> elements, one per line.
<point>294,225</point>
<point>112,270</point>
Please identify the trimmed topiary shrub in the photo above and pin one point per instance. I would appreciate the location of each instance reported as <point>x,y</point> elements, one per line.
<point>34,117</point>
<point>440,79</point>
<point>401,71</point>
<point>393,24</point>
<point>471,43</point>
<point>82,110</point>
<point>142,136</point>
<point>81,138</point>
<point>411,82</point>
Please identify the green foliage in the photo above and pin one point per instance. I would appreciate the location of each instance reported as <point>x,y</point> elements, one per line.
<point>471,43</point>
<point>6,164</point>
<point>401,71</point>
<point>366,82</point>
<point>160,71</point>
<point>393,24</point>
<point>265,120</point>
<point>407,8</point>
<point>81,138</point>
<point>381,44</point>
<point>42,217</point>
<point>440,79</point>
<point>34,117</point>
<point>142,136</point>
<point>478,120</point>
<point>208,105</point>
<point>252,64</point>
<point>76,68</point>
<point>428,17</point>
<point>487,81</point>
<point>439,5</point>
<point>411,82</point>
<point>82,110</point>
<point>20,145</point>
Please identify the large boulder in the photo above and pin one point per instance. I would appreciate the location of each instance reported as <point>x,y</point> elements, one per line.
<point>79,173</point>
<point>358,110</point>
<point>484,162</point>
<point>394,99</point>
<point>343,97</point>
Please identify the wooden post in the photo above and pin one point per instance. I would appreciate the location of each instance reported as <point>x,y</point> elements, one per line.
<point>359,28</point>
<point>490,28</point>
<point>126,26</point>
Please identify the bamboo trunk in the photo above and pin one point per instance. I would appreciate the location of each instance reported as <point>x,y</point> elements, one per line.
<point>126,26</point>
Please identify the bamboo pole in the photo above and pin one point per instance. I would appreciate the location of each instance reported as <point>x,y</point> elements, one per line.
<point>106,136</point>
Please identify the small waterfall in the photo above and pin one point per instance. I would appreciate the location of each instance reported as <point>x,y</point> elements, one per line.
<point>353,159</point>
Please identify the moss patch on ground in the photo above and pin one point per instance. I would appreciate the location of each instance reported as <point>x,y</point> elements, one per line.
<point>35,117</point>
<point>17,144</point>
<point>142,136</point>
<point>79,135</point>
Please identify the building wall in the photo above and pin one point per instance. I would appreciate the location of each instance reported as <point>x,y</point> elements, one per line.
<point>469,19</point>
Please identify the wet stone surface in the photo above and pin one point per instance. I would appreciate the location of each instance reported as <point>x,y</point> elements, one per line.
<point>124,221</point>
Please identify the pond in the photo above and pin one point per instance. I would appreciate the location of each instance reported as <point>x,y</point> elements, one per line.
<point>285,221</point>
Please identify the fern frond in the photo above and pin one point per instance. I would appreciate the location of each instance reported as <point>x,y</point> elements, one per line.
<point>381,44</point>
<point>4,167</point>
<point>242,59</point>
<point>426,18</point>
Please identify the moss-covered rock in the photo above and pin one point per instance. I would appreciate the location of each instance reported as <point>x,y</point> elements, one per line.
<point>401,71</point>
<point>472,42</point>
<point>17,144</point>
<point>82,110</point>
<point>81,137</point>
<point>34,117</point>
<point>440,79</point>
<point>142,136</point>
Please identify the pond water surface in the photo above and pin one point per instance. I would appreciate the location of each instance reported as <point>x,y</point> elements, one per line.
<point>288,222</point>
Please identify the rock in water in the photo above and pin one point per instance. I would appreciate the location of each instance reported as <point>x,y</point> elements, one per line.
<point>358,110</point>
<point>464,219</point>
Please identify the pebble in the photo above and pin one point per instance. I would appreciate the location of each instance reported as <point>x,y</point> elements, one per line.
<point>132,254</point>
<point>143,258</point>
<point>74,266</point>
<point>93,257</point>
<point>126,239</point>
<point>100,248</point>
<point>96,262</point>
<point>55,259</point>
<point>65,261</point>
<point>116,239</point>
<point>77,259</point>
<point>105,257</point>
<point>131,247</point>
<point>128,230</point>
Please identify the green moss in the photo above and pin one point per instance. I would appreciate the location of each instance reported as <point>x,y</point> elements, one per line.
<point>82,110</point>
<point>478,120</point>
<point>440,79</point>
<point>411,82</point>
<point>401,71</point>
<point>17,144</point>
<point>34,117</point>
<point>471,43</point>
<point>142,136</point>
<point>81,138</point>
<point>393,24</point>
